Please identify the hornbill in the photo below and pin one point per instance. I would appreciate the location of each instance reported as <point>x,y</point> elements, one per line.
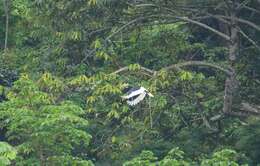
<point>134,95</point>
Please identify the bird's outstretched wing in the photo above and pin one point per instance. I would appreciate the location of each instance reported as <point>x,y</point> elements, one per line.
<point>133,93</point>
<point>136,100</point>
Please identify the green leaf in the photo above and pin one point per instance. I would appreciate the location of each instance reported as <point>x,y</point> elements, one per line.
<point>97,44</point>
<point>186,76</point>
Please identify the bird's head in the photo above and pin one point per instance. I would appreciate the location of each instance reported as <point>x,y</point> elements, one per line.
<point>147,92</point>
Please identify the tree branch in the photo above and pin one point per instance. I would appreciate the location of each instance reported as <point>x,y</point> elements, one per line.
<point>221,34</point>
<point>126,68</point>
<point>249,39</point>
<point>204,118</point>
<point>238,114</point>
<point>124,26</point>
<point>216,117</point>
<point>244,6</point>
<point>253,25</point>
<point>250,109</point>
<point>178,67</point>
<point>245,110</point>
<point>198,63</point>
<point>240,5</point>
<point>249,23</point>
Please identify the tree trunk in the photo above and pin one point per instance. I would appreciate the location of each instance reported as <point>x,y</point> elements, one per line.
<point>231,82</point>
<point>6,9</point>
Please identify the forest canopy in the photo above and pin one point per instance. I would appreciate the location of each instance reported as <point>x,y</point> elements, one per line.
<point>64,65</point>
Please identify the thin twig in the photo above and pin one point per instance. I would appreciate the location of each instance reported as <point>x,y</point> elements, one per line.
<point>249,23</point>
<point>249,39</point>
<point>251,9</point>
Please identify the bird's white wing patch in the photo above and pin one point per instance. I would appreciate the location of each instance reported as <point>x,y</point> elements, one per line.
<point>137,100</point>
<point>134,93</point>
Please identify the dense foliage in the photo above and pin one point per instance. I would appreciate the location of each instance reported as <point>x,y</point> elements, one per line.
<point>65,63</point>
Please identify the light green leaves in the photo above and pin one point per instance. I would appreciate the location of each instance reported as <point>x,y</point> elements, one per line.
<point>92,2</point>
<point>97,44</point>
<point>75,35</point>
<point>146,158</point>
<point>32,116</point>
<point>91,99</point>
<point>103,55</point>
<point>49,83</point>
<point>113,114</point>
<point>175,157</point>
<point>186,76</point>
<point>134,67</point>
<point>7,153</point>
<point>1,89</point>
<point>225,157</point>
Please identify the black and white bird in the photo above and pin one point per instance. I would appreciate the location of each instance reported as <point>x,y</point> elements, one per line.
<point>134,95</point>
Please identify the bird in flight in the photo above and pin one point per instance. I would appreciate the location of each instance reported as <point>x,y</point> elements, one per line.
<point>134,95</point>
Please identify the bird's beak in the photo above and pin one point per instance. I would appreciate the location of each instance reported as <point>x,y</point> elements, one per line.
<point>124,97</point>
<point>149,94</point>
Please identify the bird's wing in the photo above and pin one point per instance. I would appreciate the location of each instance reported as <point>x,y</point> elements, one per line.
<point>132,94</point>
<point>136,100</point>
<point>132,89</point>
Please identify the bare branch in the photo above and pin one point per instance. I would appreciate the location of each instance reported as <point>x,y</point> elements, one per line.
<point>97,31</point>
<point>145,5</point>
<point>198,63</point>
<point>177,67</point>
<point>249,39</point>
<point>251,9</point>
<point>238,114</point>
<point>204,118</point>
<point>249,23</point>
<point>250,109</point>
<point>207,124</point>
<point>245,111</point>
<point>126,68</point>
<point>124,26</point>
<point>253,25</point>
<point>240,5</point>
<point>244,6</point>
<point>120,70</point>
<point>221,34</point>
<point>216,117</point>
